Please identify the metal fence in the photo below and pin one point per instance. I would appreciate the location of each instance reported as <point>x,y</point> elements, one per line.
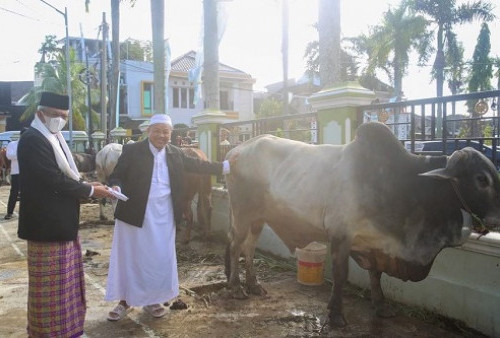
<point>429,126</point>
<point>300,127</point>
<point>442,125</point>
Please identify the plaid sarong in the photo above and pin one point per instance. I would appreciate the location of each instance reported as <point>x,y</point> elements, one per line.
<point>56,298</point>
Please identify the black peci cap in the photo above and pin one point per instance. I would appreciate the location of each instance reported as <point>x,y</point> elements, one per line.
<point>54,100</point>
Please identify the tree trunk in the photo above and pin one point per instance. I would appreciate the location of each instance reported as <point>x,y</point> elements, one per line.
<point>284,51</point>
<point>157,15</point>
<point>211,55</point>
<point>329,42</point>
<point>115,44</point>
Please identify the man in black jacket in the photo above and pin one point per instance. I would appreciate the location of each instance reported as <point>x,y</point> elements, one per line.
<point>48,219</point>
<point>143,265</point>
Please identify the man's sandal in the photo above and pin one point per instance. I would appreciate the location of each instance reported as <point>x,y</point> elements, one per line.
<point>155,310</point>
<point>118,312</point>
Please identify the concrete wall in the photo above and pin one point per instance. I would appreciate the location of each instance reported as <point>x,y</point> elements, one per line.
<point>463,284</point>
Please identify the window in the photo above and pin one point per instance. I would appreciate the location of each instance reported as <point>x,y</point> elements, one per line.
<point>175,102</point>
<point>244,137</point>
<point>183,97</point>
<point>191,97</point>
<point>224,100</point>
<point>147,98</point>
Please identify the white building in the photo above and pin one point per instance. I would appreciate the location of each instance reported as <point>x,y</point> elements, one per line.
<point>137,102</point>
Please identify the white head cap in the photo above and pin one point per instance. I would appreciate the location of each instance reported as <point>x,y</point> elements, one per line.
<point>161,118</point>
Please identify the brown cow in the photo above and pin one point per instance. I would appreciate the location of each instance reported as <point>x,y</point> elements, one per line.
<point>201,185</point>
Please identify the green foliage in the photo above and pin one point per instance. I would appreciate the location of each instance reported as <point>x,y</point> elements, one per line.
<point>137,50</point>
<point>270,107</point>
<point>54,79</point>
<point>482,68</point>
<point>445,14</point>
<point>49,49</point>
<point>454,56</point>
<point>181,126</point>
<point>488,132</point>
<point>389,44</point>
<point>348,65</point>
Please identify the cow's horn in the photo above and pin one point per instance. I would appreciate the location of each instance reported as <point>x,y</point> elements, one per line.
<point>441,173</point>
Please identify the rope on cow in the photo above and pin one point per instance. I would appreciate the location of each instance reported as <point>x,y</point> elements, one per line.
<point>480,228</point>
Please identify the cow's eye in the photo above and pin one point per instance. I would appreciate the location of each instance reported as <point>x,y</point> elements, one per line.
<point>482,180</point>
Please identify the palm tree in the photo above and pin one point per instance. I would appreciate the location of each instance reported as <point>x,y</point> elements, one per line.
<point>389,45</point>
<point>453,74</point>
<point>54,80</point>
<point>446,14</point>
<point>348,66</point>
<point>211,55</point>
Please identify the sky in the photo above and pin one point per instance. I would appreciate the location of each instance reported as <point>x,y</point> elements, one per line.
<point>251,41</point>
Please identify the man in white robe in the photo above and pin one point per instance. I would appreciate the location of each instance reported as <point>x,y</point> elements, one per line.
<point>143,263</point>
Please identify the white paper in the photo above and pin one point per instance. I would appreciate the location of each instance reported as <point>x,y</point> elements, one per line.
<point>118,195</point>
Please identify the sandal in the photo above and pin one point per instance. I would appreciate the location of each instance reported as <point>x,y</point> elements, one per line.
<point>155,310</point>
<point>118,313</point>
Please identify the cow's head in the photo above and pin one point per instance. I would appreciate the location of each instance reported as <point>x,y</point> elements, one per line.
<point>476,180</point>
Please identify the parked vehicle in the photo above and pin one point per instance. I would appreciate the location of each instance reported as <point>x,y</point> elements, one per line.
<point>437,148</point>
<point>80,138</point>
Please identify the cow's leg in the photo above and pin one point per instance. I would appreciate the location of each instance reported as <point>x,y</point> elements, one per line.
<point>204,212</point>
<point>237,235</point>
<point>382,309</point>
<point>188,217</point>
<point>340,249</point>
<point>102,203</point>
<point>253,286</point>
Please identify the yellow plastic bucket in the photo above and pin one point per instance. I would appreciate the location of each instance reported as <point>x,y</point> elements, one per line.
<point>311,263</point>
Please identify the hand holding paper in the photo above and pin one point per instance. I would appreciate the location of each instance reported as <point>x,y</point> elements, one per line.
<point>118,194</point>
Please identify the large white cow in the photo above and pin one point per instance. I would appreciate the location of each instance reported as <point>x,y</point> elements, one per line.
<point>105,162</point>
<point>391,211</point>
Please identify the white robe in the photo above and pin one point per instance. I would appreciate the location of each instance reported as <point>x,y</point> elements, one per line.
<point>143,262</point>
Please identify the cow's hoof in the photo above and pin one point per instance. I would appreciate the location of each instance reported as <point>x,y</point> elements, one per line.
<point>257,290</point>
<point>337,320</point>
<point>239,293</point>
<point>384,310</point>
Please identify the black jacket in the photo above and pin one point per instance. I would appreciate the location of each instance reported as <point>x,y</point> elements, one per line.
<point>49,209</point>
<point>133,173</point>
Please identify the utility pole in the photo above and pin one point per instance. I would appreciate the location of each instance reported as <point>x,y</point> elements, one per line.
<point>104,68</point>
<point>89,98</point>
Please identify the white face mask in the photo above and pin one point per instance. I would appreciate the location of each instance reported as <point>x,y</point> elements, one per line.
<point>54,124</point>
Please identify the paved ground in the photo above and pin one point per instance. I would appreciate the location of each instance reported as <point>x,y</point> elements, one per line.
<point>289,309</point>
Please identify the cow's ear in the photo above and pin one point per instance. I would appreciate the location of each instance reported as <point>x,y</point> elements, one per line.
<point>441,173</point>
